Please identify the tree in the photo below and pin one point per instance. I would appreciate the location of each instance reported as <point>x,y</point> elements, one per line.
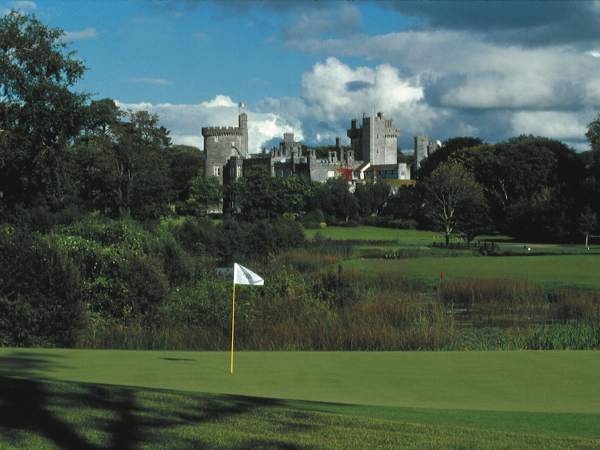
<point>205,193</point>
<point>186,163</point>
<point>258,195</point>
<point>444,154</point>
<point>39,114</point>
<point>454,200</point>
<point>335,200</point>
<point>593,134</point>
<point>122,164</point>
<point>371,197</point>
<point>588,222</point>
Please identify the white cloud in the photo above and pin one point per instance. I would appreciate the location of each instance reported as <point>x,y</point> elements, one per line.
<point>220,101</point>
<point>594,53</point>
<point>463,70</point>
<point>333,93</point>
<point>552,124</point>
<point>185,121</point>
<point>147,80</point>
<point>87,33</point>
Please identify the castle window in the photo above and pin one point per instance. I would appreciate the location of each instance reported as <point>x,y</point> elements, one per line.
<point>239,171</point>
<point>216,138</point>
<point>216,171</point>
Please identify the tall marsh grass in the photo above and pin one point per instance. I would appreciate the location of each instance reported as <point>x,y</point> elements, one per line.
<point>302,308</point>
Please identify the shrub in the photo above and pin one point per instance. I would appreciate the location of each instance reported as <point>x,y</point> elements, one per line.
<point>39,293</point>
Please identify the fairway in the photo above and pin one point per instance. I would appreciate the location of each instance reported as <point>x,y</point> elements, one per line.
<point>367,233</point>
<point>550,270</point>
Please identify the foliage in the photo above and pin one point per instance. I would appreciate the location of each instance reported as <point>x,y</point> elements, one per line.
<point>39,114</point>
<point>258,195</point>
<point>186,163</point>
<point>205,193</point>
<point>335,201</point>
<point>371,197</point>
<point>122,166</point>
<point>39,292</point>
<point>445,153</point>
<point>454,200</point>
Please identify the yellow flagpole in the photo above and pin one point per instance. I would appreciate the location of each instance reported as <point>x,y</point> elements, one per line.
<point>232,327</point>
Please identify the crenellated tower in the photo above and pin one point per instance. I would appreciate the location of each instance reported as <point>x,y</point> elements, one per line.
<point>223,143</point>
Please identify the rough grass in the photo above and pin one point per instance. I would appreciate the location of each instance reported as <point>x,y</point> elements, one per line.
<point>545,400</point>
<point>550,270</point>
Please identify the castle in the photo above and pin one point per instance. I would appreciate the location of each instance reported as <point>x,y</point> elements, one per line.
<point>372,155</point>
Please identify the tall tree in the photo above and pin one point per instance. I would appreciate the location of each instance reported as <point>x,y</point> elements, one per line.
<point>123,164</point>
<point>39,112</point>
<point>454,199</point>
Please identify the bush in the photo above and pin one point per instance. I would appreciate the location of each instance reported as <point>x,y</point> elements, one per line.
<point>40,293</point>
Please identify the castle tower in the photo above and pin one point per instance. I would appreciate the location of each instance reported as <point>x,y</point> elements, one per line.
<point>376,141</point>
<point>222,143</point>
<point>424,146</point>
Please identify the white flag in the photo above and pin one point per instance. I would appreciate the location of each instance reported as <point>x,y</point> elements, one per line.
<point>242,275</point>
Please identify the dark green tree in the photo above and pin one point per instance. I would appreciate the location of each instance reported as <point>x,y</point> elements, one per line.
<point>186,163</point>
<point>39,112</point>
<point>205,194</point>
<point>123,165</point>
<point>444,154</point>
<point>371,197</point>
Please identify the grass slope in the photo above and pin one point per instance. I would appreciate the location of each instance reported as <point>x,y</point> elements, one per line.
<point>553,271</point>
<point>40,415</point>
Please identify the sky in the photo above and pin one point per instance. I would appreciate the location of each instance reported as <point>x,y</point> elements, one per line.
<point>488,69</point>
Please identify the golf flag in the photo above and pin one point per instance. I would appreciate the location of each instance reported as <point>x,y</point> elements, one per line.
<point>243,275</point>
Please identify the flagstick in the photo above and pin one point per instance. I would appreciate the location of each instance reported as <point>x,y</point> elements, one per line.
<point>232,327</point>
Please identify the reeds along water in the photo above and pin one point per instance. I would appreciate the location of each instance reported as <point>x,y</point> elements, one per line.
<point>499,302</point>
<point>335,309</point>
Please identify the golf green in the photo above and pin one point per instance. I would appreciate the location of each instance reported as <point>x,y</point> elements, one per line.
<point>557,381</point>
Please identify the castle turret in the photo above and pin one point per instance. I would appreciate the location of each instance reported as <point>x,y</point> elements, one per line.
<point>222,143</point>
<point>243,124</point>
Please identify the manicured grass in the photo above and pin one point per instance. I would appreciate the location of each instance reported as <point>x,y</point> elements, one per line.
<point>503,381</point>
<point>299,399</point>
<point>422,240</point>
<point>550,270</point>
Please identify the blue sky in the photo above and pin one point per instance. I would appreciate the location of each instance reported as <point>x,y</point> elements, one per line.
<point>489,69</point>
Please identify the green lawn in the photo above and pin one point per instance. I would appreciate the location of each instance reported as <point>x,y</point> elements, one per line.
<point>550,270</point>
<point>422,240</point>
<point>64,398</point>
<point>365,233</point>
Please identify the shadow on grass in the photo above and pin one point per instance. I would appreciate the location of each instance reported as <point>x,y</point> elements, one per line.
<point>91,416</point>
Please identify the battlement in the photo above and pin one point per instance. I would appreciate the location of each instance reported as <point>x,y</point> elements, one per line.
<point>221,131</point>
